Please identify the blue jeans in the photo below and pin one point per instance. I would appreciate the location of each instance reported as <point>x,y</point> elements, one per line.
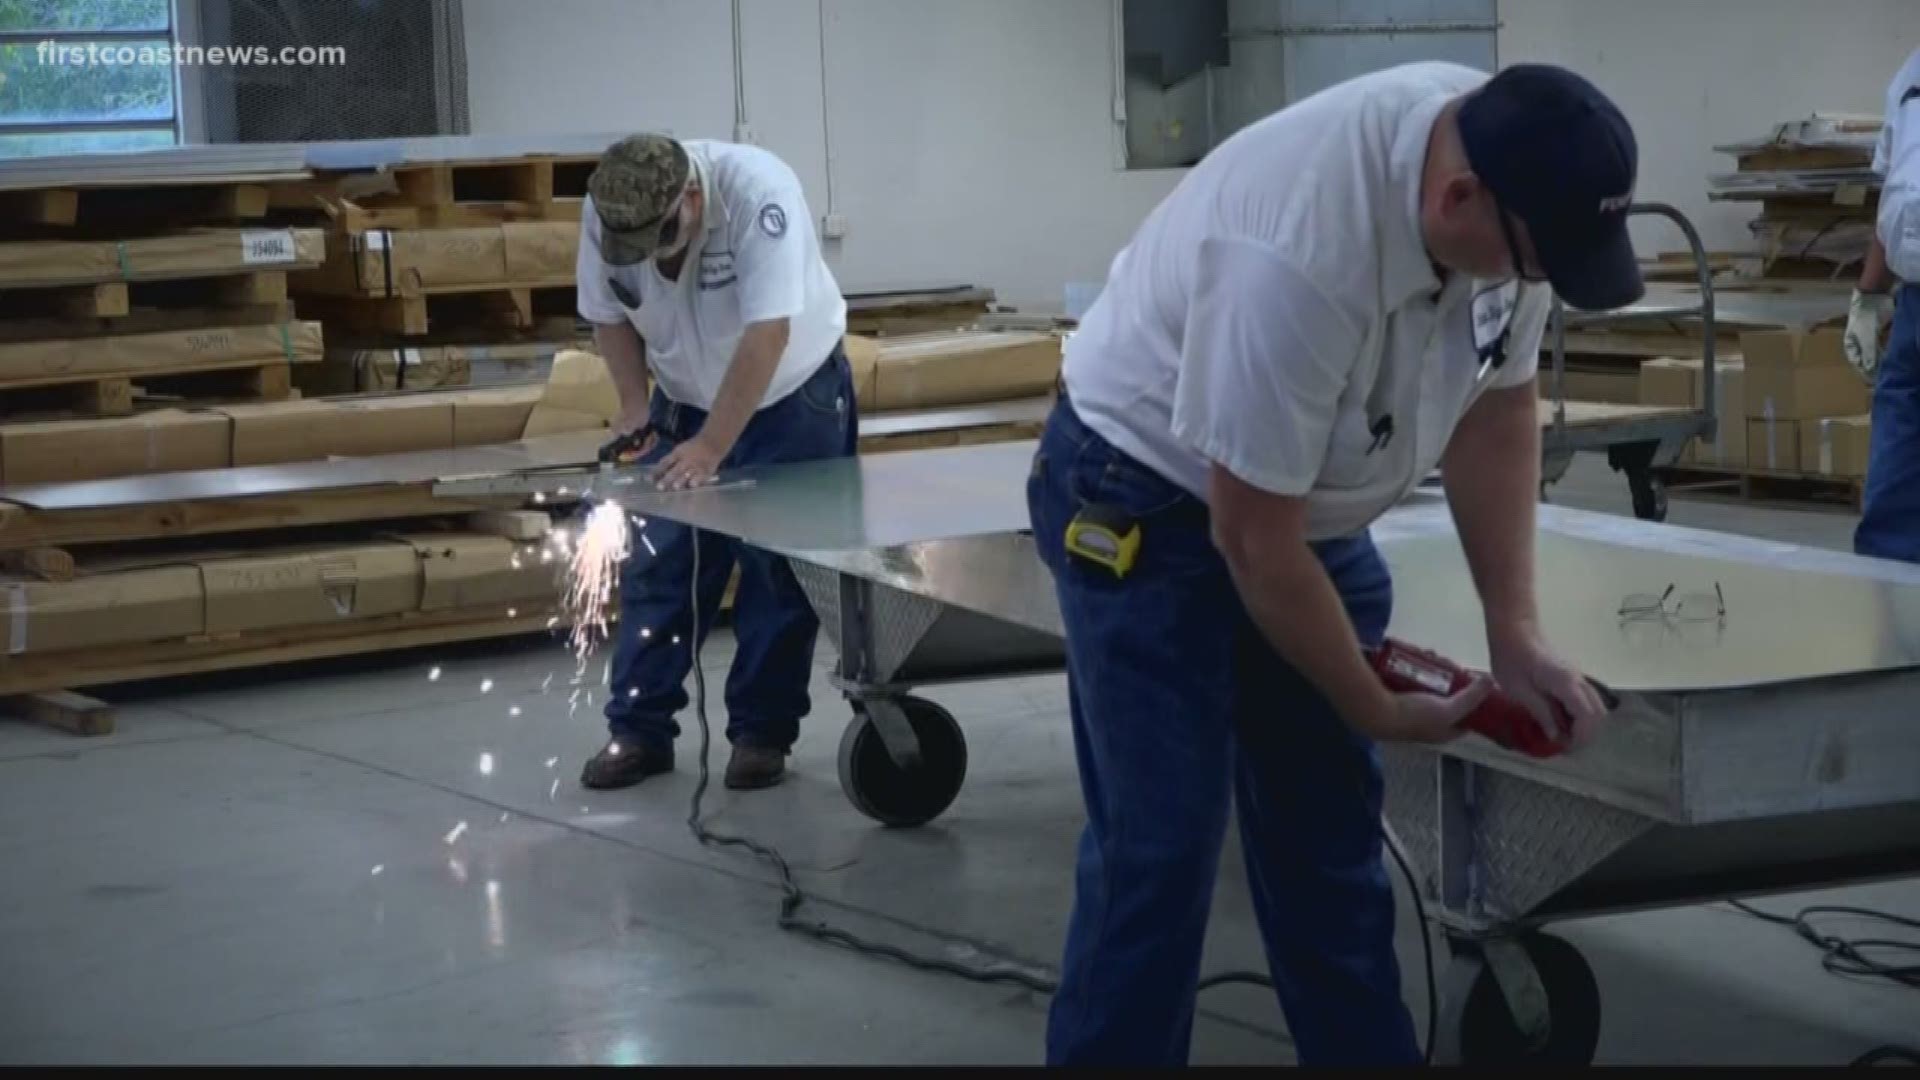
<point>773,624</point>
<point>1181,709</point>
<point>1890,519</point>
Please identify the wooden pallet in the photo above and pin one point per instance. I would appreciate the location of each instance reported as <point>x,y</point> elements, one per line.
<point>152,208</point>
<point>503,307</point>
<point>37,674</point>
<point>1762,486</point>
<point>445,195</point>
<point>116,395</point>
<point>118,299</point>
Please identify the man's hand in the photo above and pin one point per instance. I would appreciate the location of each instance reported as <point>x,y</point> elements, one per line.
<point>1531,674</point>
<point>690,464</point>
<point>1418,717</point>
<point>1867,319</point>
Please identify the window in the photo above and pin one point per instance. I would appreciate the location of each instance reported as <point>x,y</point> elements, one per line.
<point>78,76</point>
<point>1194,72</point>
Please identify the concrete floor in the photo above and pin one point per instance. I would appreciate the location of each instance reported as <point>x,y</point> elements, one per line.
<point>352,863</point>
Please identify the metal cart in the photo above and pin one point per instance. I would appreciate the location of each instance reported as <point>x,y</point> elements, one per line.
<point>1751,753</point>
<point>1637,439</point>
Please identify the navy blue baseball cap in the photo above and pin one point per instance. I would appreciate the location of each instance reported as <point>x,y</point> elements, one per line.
<point>1558,155</point>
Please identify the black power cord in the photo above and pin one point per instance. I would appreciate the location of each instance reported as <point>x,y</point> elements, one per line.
<point>1849,956</point>
<point>792,897</point>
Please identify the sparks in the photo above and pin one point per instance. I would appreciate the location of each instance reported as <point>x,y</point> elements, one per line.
<point>646,632</point>
<point>676,639</point>
<point>513,613</point>
<point>486,764</point>
<point>553,622</point>
<point>493,890</point>
<point>515,560</point>
<point>606,673</point>
<point>514,711</point>
<point>553,791</point>
<point>486,686</point>
<point>454,836</point>
<point>504,818</point>
<point>651,550</point>
<point>595,573</point>
<point>633,693</point>
<point>552,761</point>
<point>573,698</point>
<point>539,498</point>
<point>434,675</point>
<point>379,869</point>
<point>546,682</point>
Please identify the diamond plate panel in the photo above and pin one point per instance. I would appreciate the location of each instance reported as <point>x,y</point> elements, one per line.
<point>1530,840</point>
<point>900,619</point>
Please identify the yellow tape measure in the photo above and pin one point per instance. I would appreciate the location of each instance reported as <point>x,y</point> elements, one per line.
<point>1105,536</point>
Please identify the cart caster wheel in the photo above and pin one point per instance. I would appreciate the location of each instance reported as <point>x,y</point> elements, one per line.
<point>1489,1034</point>
<point>904,797</point>
<point>1649,497</point>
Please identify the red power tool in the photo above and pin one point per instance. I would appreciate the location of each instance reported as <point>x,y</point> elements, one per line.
<point>1405,669</point>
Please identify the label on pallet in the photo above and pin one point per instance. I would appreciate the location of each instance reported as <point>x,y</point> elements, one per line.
<point>266,246</point>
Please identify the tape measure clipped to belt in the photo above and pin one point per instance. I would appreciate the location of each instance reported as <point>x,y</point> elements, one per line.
<point>1105,536</point>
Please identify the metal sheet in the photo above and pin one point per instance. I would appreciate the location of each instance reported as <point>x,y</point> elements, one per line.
<point>843,504</point>
<point>1731,309</point>
<point>557,451</point>
<point>1028,410</point>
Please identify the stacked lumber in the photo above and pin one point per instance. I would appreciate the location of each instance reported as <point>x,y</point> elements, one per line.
<point>1817,193</point>
<point>113,299</point>
<point>436,266</point>
<point>884,312</point>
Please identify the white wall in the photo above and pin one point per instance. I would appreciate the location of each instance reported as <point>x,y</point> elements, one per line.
<point>1692,74</point>
<point>971,142</point>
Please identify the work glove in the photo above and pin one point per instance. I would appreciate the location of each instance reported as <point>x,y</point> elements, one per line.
<point>1867,319</point>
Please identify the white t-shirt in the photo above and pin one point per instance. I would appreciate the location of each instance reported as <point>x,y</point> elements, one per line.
<point>757,259</point>
<point>1897,160</point>
<point>1278,312</point>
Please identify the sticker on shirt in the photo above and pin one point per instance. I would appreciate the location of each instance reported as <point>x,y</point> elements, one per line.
<point>716,270</point>
<point>1492,317</point>
<point>773,220</point>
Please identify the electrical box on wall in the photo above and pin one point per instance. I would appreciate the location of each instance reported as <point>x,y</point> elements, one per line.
<point>743,133</point>
<point>833,226</point>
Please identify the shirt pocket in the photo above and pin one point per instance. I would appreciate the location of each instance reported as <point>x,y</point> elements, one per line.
<point>1356,452</point>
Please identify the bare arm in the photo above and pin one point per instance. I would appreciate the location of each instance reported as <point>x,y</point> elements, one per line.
<point>1876,277</point>
<point>697,460</point>
<point>626,356</point>
<point>748,374</point>
<point>1491,471</point>
<point>1262,537</point>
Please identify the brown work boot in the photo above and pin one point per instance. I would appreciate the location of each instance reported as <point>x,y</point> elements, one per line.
<point>619,765</point>
<point>754,767</point>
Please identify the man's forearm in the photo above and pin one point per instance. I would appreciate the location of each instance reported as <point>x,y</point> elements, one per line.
<point>748,375</point>
<point>1876,276</point>
<point>626,358</point>
<point>1297,609</point>
<point>1491,472</point>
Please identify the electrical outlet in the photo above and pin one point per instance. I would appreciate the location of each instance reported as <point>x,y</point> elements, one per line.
<point>743,133</point>
<point>833,226</point>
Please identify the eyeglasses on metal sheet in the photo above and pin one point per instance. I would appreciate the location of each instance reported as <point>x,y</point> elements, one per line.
<point>1688,607</point>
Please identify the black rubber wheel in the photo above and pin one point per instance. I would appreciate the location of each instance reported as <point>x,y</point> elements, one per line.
<point>1489,1035</point>
<point>903,798</point>
<point>1649,497</point>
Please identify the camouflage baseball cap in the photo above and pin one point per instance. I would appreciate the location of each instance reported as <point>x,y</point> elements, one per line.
<point>637,184</point>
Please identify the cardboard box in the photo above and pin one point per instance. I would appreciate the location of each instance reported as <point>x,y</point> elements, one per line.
<point>863,356</point>
<point>305,587</point>
<point>290,431</point>
<point>486,417</point>
<point>1794,348</point>
<point>1805,393</point>
<point>66,450</point>
<point>1836,446</point>
<point>964,367</point>
<point>1728,447</point>
<point>463,572</point>
<point>580,394</point>
<point>412,262</point>
<point>1612,387</point>
<point>111,608</point>
<point>196,253</point>
<point>1774,445</point>
<point>350,371</point>
<point>1670,383</point>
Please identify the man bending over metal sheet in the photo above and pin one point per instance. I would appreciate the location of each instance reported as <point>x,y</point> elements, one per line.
<point>698,265</point>
<point>1337,299</point>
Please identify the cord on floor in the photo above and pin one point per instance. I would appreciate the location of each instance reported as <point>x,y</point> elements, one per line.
<point>792,897</point>
<point>1848,956</point>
